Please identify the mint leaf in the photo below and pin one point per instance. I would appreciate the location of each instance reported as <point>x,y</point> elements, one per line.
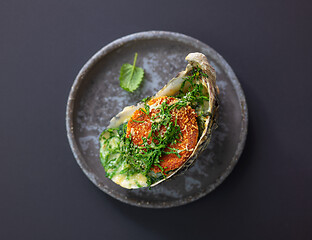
<point>131,76</point>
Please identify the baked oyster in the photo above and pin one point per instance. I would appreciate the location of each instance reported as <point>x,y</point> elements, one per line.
<point>162,135</point>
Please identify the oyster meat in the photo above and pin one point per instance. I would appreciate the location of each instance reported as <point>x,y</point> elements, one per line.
<point>162,135</point>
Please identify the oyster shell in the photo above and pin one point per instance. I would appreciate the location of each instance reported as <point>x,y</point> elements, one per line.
<point>197,75</point>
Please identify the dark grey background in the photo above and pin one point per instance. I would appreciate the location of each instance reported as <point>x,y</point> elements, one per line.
<point>45,195</point>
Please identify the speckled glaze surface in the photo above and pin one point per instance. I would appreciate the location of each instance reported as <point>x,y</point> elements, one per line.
<point>96,97</point>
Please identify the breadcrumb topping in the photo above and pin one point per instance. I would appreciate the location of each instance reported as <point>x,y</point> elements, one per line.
<point>140,124</point>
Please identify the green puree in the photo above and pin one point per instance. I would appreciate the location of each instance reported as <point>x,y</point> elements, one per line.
<point>120,156</point>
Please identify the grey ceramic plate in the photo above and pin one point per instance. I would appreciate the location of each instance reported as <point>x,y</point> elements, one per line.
<point>96,97</point>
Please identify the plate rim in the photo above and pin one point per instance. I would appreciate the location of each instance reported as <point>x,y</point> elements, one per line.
<point>148,35</point>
